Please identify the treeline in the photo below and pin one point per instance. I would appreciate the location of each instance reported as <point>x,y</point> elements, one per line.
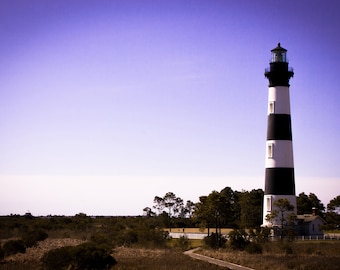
<point>233,209</point>
<point>228,208</point>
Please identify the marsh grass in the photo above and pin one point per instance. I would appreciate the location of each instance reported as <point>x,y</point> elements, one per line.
<point>285,255</point>
<point>127,258</point>
<point>276,255</point>
<point>157,259</point>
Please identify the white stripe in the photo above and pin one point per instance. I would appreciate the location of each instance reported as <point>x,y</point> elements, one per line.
<point>268,207</point>
<point>279,96</point>
<point>280,155</point>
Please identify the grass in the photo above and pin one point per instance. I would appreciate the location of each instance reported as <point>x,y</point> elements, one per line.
<point>192,243</point>
<point>276,255</point>
<point>284,255</point>
<point>157,259</point>
<point>136,258</point>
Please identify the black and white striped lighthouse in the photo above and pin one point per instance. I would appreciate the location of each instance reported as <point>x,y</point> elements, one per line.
<point>279,177</point>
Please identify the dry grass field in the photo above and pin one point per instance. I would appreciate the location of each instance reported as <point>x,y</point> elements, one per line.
<point>128,258</point>
<point>30,259</point>
<point>323,255</point>
<point>279,256</point>
<point>157,259</point>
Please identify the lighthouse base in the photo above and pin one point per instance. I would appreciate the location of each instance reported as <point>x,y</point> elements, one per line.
<point>269,208</point>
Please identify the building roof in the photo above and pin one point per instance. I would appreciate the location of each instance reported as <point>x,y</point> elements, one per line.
<point>278,48</point>
<point>309,218</point>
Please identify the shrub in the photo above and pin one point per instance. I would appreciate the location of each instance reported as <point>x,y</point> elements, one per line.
<point>2,254</point>
<point>149,236</point>
<point>59,258</point>
<point>102,239</point>
<point>32,237</point>
<point>84,256</point>
<point>92,256</point>
<point>182,243</point>
<point>287,248</point>
<point>214,240</point>
<point>128,237</point>
<point>254,248</point>
<point>238,239</point>
<point>263,234</point>
<point>13,247</point>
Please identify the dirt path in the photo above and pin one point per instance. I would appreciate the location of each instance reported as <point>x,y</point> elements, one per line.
<point>225,264</point>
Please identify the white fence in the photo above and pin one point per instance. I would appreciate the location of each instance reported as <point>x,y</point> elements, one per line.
<point>328,236</point>
<point>177,235</point>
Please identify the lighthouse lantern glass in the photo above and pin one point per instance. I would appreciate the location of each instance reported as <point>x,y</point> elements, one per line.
<point>279,56</point>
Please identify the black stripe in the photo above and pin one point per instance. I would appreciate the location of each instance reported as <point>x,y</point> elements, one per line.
<point>279,74</point>
<point>279,127</point>
<point>280,181</point>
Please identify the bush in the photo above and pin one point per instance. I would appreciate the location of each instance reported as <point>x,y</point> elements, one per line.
<point>32,237</point>
<point>214,241</point>
<point>59,258</point>
<point>149,236</point>
<point>128,237</point>
<point>287,248</point>
<point>13,247</point>
<point>102,239</point>
<point>84,256</point>
<point>238,239</point>
<point>254,248</point>
<point>92,256</point>
<point>2,254</point>
<point>182,243</point>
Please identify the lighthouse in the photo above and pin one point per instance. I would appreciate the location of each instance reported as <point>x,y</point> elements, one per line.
<point>279,173</point>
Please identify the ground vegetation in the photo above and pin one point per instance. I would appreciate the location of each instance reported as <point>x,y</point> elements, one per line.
<point>29,242</point>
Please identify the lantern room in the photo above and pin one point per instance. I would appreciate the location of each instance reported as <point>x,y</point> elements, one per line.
<point>279,54</point>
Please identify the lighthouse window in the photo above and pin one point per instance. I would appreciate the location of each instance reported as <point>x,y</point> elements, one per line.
<point>269,204</point>
<point>271,106</point>
<point>270,147</point>
<point>279,57</point>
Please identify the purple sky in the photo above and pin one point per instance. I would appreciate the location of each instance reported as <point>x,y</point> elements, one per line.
<point>105,104</point>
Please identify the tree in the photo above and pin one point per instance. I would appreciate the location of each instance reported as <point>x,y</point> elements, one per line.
<point>202,213</point>
<point>305,203</point>
<point>332,216</point>
<point>187,210</point>
<point>147,211</point>
<point>172,204</point>
<point>283,215</point>
<point>249,208</point>
<point>334,205</point>
<point>215,209</point>
<point>316,203</point>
